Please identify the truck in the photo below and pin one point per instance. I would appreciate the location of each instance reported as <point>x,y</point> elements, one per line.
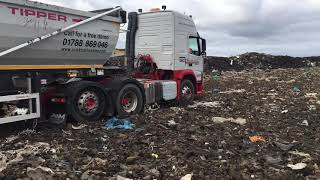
<point>54,61</point>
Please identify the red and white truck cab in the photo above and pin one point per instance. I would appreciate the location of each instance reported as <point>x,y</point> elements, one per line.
<point>167,46</point>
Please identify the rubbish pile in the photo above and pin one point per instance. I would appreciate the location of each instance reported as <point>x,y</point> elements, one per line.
<point>259,125</point>
<point>259,61</point>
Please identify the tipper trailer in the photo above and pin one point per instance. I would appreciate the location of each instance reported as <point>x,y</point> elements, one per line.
<point>54,61</point>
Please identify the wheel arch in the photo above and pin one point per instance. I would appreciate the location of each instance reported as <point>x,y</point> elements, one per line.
<point>185,74</point>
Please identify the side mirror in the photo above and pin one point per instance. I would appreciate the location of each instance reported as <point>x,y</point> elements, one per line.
<point>204,45</point>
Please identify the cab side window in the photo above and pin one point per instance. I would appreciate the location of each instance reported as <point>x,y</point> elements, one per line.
<point>194,46</point>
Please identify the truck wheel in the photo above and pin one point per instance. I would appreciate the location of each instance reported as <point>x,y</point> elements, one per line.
<point>187,92</point>
<point>129,101</point>
<point>86,101</point>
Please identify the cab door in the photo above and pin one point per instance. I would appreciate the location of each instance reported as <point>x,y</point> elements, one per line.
<point>195,59</point>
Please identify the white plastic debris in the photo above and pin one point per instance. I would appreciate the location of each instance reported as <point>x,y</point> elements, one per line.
<point>176,109</point>
<point>305,123</point>
<point>233,91</point>
<point>311,95</point>
<point>284,111</point>
<point>3,162</point>
<point>240,121</point>
<point>79,127</point>
<point>27,132</point>
<point>312,108</point>
<point>11,138</point>
<point>297,166</point>
<point>122,178</point>
<point>205,104</point>
<point>172,123</point>
<point>302,154</point>
<point>153,107</point>
<point>19,111</point>
<point>53,151</point>
<point>187,177</point>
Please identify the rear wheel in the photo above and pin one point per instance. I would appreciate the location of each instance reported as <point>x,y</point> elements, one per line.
<point>187,92</point>
<point>86,102</point>
<point>129,101</point>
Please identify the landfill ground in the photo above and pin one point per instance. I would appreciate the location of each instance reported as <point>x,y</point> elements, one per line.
<point>261,124</point>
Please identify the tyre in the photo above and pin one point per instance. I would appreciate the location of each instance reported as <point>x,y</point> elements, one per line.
<point>86,101</point>
<point>129,101</point>
<point>187,92</point>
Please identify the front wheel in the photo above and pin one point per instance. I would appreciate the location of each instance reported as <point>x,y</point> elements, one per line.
<point>129,101</point>
<point>187,92</point>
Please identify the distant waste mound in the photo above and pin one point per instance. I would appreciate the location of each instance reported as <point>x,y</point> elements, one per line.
<point>262,61</point>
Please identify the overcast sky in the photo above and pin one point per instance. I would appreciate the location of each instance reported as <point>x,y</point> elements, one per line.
<point>232,27</point>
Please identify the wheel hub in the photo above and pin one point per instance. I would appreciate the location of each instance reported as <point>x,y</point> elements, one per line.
<point>88,103</point>
<point>129,102</point>
<point>186,92</point>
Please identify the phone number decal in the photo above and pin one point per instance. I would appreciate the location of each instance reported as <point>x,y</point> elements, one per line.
<point>81,43</point>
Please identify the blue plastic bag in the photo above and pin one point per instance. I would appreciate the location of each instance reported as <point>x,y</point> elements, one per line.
<point>115,123</point>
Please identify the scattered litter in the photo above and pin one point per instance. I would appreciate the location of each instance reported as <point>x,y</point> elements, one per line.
<point>291,81</point>
<point>115,123</point>
<point>312,108</point>
<point>187,177</point>
<point>19,112</point>
<point>153,107</point>
<point>18,155</point>
<point>11,138</point>
<point>140,129</point>
<point>172,123</point>
<point>240,121</point>
<point>233,91</point>
<point>284,147</point>
<point>132,159</point>
<point>154,172</point>
<point>14,156</point>
<point>205,104</point>
<point>155,155</point>
<point>297,166</point>
<point>27,132</point>
<point>40,173</point>
<point>122,178</point>
<point>203,158</point>
<point>79,127</point>
<point>95,162</point>
<point>311,95</point>
<point>302,154</point>
<point>305,123</point>
<point>67,132</point>
<point>296,90</point>
<point>257,139</point>
<point>53,151</point>
<point>177,109</point>
<point>3,162</point>
<point>272,160</point>
<point>284,112</point>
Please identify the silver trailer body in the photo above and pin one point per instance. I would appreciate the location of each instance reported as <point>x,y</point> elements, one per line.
<point>87,45</point>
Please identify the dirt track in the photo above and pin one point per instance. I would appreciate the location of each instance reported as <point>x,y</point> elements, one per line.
<point>280,105</point>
